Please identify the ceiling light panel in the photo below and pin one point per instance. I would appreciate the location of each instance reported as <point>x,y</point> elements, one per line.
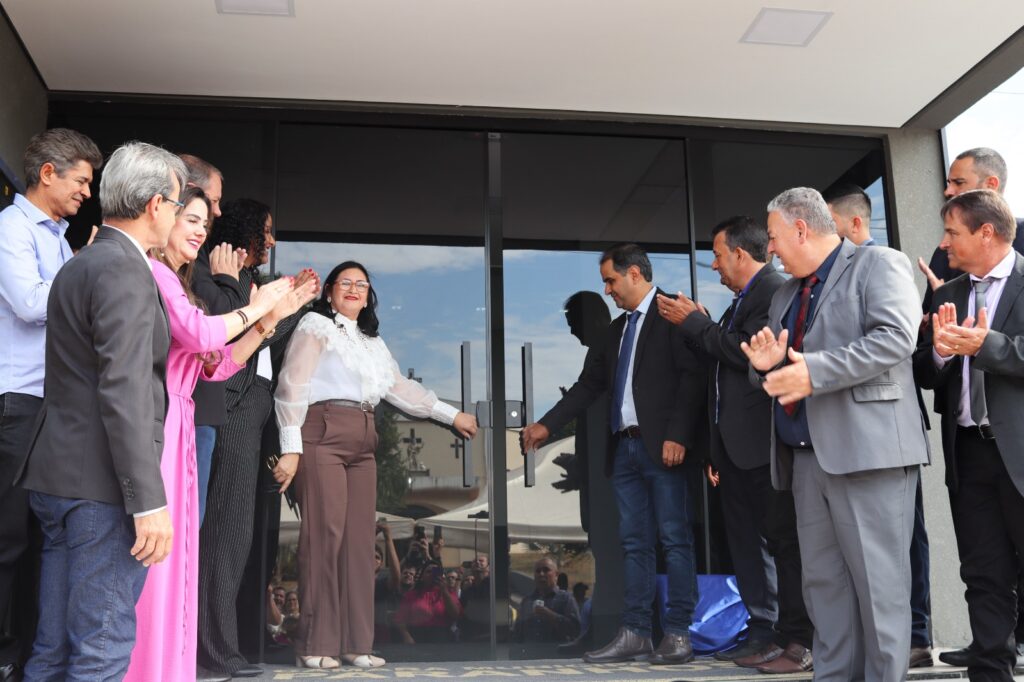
<point>274,8</point>
<point>790,27</point>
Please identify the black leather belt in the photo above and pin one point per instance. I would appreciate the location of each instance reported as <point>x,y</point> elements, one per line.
<point>365,406</point>
<point>629,432</point>
<point>984,431</point>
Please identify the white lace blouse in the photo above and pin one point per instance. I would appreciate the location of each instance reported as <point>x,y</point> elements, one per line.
<point>328,360</point>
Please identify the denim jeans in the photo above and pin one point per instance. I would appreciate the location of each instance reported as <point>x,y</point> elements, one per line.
<point>89,585</point>
<point>654,504</point>
<point>206,438</point>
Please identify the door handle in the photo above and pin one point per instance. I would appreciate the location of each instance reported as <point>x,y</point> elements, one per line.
<point>530,463</point>
<point>469,408</point>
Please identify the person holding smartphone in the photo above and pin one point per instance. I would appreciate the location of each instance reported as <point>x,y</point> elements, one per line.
<point>548,614</point>
<point>429,610</point>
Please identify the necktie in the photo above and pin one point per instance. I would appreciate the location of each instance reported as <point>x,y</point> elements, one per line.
<point>621,370</point>
<point>979,408</point>
<point>801,326</point>
<point>729,315</point>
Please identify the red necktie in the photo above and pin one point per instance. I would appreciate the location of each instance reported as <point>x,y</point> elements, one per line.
<point>800,327</point>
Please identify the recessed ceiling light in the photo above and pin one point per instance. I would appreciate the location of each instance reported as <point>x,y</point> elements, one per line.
<point>274,8</point>
<point>792,27</point>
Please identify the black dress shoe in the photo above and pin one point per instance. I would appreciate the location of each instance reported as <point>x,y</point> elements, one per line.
<point>627,646</point>
<point>248,671</point>
<point>747,647</point>
<point>10,672</point>
<point>673,649</point>
<point>204,675</point>
<point>961,658</point>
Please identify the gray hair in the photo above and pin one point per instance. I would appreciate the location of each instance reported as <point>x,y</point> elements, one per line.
<point>136,172</point>
<point>63,148</point>
<point>807,204</point>
<point>200,172</point>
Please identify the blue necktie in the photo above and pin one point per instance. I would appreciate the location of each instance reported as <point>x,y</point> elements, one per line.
<point>622,369</point>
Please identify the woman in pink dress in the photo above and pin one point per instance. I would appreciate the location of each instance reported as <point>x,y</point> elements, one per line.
<point>165,646</point>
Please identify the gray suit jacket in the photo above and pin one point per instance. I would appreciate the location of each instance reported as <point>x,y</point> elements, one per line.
<point>101,429</point>
<point>1002,359</point>
<point>863,413</point>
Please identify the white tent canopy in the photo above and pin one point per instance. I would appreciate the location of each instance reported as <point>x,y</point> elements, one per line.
<point>537,514</point>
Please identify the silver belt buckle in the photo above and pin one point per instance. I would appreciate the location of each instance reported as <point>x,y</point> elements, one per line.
<point>365,406</point>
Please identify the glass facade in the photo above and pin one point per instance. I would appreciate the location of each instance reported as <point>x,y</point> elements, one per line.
<point>483,246</point>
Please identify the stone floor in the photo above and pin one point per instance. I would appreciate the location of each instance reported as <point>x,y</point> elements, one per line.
<point>565,671</point>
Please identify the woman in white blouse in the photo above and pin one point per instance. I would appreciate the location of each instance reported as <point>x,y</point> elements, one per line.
<point>336,370</point>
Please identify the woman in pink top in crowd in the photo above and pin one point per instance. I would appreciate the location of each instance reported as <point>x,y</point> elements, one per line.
<point>165,647</point>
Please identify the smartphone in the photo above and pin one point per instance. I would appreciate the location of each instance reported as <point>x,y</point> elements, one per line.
<point>419,532</point>
<point>437,533</point>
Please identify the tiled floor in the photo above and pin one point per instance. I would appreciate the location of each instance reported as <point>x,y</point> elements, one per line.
<point>562,671</point>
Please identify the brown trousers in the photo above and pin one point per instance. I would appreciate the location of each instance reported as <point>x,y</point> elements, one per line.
<point>336,487</point>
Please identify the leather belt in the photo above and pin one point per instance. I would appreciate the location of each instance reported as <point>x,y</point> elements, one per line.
<point>364,405</point>
<point>629,432</point>
<point>982,431</point>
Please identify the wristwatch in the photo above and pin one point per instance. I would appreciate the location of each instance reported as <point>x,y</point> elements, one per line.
<point>263,331</point>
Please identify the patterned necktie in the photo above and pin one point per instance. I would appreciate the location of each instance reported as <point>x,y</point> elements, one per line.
<point>979,408</point>
<point>621,370</point>
<point>801,326</point>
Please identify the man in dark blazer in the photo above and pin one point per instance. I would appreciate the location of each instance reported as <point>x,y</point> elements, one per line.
<point>760,522</point>
<point>94,463</point>
<point>657,403</point>
<point>972,357</point>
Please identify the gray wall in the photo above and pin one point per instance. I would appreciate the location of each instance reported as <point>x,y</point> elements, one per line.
<point>22,102</point>
<point>916,176</point>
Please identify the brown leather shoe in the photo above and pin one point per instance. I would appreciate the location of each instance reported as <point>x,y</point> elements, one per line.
<point>795,659</point>
<point>769,653</point>
<point>921,657</point>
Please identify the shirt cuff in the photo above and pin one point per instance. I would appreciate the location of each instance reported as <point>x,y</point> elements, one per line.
<point>940,361</point>
<point>291,440</point>
<point>148,513</point>
<point>444,413</point>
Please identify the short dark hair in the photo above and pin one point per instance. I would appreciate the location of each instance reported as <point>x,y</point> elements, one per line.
<point>199,171</point>
<point>623,256</point>
<point>63,148</point>
<point>743,232</point>
<point>980,206</point>
<point>849,200</point>
<point>987,161</point>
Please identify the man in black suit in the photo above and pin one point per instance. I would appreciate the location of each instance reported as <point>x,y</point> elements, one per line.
<point>94,463</point>
<point>657,401</point>
<point>972,357</point>
<point>760,522</point>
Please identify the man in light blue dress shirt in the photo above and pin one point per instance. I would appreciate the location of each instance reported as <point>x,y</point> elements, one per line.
<point>59,165</point>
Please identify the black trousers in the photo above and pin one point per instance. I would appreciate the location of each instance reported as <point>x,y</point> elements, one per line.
<point>20,538</point>
<point>987,512</point>
<point>759,520</point>
<point>226,535</point>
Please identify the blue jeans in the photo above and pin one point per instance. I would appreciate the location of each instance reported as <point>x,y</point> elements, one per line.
<point>654,504</point>
<point>88,589</point>
<point>206,438</point>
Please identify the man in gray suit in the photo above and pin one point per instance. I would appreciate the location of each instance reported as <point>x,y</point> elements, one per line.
<point>94,463</point>
<point>972,355</point>
<point>847,432</point>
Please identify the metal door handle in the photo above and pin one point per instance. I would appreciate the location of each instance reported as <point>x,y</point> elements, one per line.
<point>469,408</point>
<point>530,465</point>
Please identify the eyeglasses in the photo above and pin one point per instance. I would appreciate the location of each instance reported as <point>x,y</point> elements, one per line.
<point>360,285</point>
<point>177,204</point>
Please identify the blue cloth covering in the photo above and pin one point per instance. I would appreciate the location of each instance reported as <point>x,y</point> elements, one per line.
<point>720,616</point>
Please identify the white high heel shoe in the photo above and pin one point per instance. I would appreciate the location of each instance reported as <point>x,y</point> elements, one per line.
<point>363,660</point>
<point>318,662</point>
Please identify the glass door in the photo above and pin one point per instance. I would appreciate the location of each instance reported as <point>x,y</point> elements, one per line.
<point>409,205</point>
<point>564,200</point>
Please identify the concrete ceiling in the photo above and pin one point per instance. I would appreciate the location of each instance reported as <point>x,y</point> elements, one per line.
<point>874,63</point>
